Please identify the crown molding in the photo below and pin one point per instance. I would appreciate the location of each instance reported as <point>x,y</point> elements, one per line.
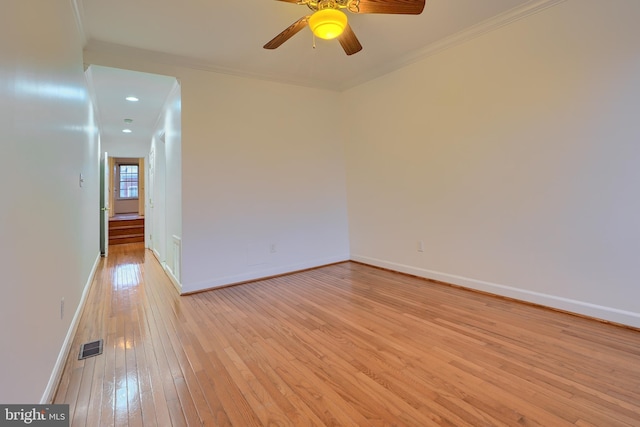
<point>97,48</point>
<point>78,12</point>
<point>531,8</point>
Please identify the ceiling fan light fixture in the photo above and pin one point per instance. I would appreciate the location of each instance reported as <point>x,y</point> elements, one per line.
<point>328,23</point>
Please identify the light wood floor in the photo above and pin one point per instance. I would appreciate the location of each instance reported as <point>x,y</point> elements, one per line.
<point>346,345</point>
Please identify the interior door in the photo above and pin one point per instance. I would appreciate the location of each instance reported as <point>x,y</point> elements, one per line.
<point>105,194</point>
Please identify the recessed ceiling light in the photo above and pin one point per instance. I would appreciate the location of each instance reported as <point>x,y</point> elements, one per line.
<point>132,98</point>
<point>127,130</point>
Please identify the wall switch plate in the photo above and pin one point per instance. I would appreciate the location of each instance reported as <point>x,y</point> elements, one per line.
<point>81,180</point>
<point>420,246</point>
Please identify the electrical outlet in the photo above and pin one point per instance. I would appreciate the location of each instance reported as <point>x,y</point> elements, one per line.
<point>420,246</point>
<point>62,308</point>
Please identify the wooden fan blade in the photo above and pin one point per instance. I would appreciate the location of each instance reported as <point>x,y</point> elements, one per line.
<point>349,41</point>
<point>402,7</point>
<point>288,33</point>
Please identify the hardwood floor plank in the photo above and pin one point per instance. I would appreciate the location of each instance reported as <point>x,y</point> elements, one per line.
<point>99,373</point>
<point>84,391</point>
<point>342,345</point>
<point>361,396</point>
<point>108,403</point>
<point>146,388</point>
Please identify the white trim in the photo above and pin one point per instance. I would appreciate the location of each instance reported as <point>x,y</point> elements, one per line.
<point>566,304</point>
<point>174,280</point>
<point>491,24</point>
<point>176,283</point>
<point>267,272</point>
<point>94,50</point>
<point>56,374</point>
<point>78,13</point>
<point>176,271</point>
<point>530,8</point>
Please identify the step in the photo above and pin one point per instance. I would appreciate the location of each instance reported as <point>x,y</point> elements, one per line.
<point>126,231</point>
<point>118,223</point>
<point>126,238</point>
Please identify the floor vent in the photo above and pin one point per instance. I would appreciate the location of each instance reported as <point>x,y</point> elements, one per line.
<point>89,349</point>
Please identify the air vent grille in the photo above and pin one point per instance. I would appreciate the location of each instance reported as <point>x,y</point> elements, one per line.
<point>90,349</point>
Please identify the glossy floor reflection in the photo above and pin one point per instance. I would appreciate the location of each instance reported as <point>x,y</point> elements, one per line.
<point>343,345</point>
<point>126,275</point>
<point>107,389</point>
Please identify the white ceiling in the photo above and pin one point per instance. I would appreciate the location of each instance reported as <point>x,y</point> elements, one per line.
<point>111,87</point>
<point>227,36</point>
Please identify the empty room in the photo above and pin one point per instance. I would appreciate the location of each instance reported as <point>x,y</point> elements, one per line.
<point>354,213</point>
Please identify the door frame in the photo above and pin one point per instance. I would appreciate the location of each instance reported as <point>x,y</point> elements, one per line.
<point>105,197</point>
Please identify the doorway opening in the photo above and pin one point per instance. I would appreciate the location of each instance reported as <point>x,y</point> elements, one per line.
<point>127,221</point>
<point>139,116</point>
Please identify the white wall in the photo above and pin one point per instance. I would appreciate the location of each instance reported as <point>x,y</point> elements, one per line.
<point>514,158</point>
<point>156,208</point>
<point>49,225</point>
<point>124,148</point>
<point>263,183</point>
<point>172,128</point>
<point>262,165</point>
<point>165,210</point>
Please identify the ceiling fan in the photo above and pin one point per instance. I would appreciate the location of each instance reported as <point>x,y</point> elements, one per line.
<point>329,22</point>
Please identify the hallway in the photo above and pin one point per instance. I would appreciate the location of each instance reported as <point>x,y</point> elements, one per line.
<point>125,382</point>
<point>345,344</point>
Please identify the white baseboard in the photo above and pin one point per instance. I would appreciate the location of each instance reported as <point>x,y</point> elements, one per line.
<point>49,392</point>
<point>172,277</point>
<point>263,273</point>
<point>574,306</point>
<point>167,269</point>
